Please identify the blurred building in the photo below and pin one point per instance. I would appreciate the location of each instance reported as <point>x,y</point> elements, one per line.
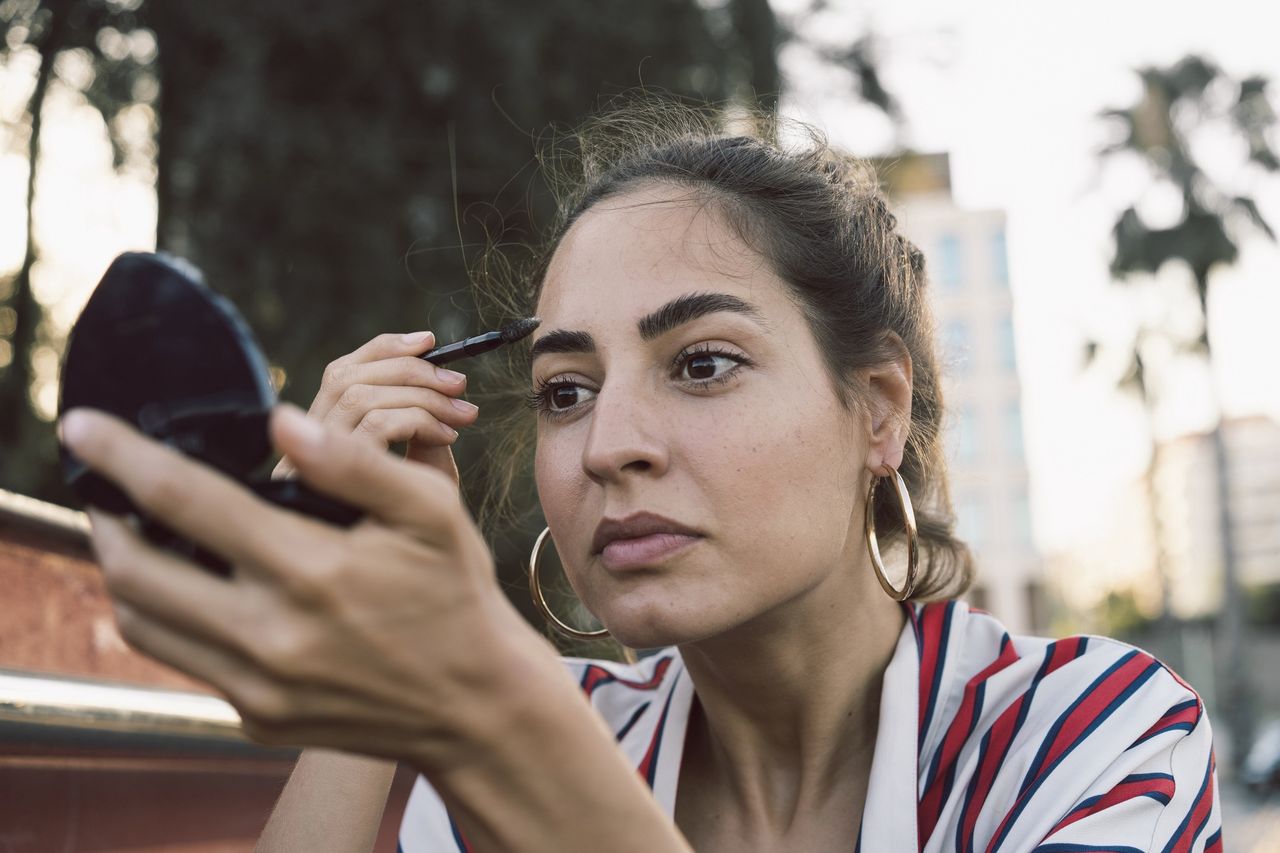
<point>1186,496</point>
<point>969,279</point>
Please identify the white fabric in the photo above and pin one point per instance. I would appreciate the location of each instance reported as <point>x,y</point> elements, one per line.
<point>1084,744</point>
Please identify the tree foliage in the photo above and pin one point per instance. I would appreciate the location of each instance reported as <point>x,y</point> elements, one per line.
<point>99,31</point>
<point>1158,129</point>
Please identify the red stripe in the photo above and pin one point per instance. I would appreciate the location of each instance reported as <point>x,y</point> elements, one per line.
<point>1002,734</point>
<point>929,632</point>
<point>1122,792</point>
<point>597,675</point>
<point>1094,704</point>
<point>954,740</point>
<point>1199,812</point>
<point>1190,714</point>
<point>1077,721</point>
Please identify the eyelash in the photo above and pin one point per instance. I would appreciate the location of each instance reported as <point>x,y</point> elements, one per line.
<point>539,400</point>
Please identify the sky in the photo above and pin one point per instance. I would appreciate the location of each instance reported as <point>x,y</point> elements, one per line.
<point>1011,90</point>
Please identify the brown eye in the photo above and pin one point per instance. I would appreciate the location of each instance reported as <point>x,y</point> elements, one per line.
<point>706,366</point>
<point>564,396</point>
<point>701,367</point>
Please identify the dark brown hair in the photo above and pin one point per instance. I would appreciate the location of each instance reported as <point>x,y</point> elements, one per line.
<point>823,223</point>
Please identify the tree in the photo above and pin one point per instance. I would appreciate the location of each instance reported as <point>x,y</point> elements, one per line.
<point>53,29</point>
<point>1158,130</point>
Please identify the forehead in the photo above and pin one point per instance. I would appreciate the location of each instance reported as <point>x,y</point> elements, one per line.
<point>630,253</point>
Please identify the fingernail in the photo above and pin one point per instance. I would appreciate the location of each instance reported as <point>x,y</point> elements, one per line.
<point>465,407</point>
<point>414,338</point>
<point>449,431</point>
<point>450,376</point>
<point>303,428</point>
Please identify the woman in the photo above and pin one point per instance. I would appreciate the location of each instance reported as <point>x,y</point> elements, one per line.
<point>735,358</point>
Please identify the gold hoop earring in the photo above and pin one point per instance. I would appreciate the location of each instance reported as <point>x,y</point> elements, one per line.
<point>540,601</point>
<point>908,523</point>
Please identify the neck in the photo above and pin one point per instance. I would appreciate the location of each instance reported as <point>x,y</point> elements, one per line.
<point>788,704</point>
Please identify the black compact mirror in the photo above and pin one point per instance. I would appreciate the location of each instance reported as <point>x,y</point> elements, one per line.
<point>158,348</point>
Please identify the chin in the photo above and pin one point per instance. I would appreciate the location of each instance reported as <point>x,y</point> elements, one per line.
<point>654,627</point>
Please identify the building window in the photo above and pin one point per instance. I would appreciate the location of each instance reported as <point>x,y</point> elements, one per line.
<point>1008,351</point>
<point>950,261</point>
<point>1013,428</point>
<point>956,347</point>
<point>999,258</point>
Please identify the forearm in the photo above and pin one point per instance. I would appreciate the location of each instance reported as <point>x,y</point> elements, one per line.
<point>553,779</point>
<point>332,802</point>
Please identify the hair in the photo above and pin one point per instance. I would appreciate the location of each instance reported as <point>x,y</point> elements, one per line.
<point>820,219</point>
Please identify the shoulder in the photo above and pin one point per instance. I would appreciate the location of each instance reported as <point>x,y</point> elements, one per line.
<point>635,701</point>
<point>969,663</point>
<point>1017,731</point>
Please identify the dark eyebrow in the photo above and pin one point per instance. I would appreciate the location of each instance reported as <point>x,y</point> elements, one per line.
<point>677,312</point>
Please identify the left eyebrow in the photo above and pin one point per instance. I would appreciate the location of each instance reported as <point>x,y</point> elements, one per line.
<point>691,306</point>
<point>677,312</point>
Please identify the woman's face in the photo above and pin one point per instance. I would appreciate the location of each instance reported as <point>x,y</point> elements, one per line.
<point>678,379</point>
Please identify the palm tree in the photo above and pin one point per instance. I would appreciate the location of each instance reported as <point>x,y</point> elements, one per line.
<point>1176,103</point>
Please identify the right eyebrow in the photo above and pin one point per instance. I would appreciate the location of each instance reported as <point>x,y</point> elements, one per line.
<point>562,341</point>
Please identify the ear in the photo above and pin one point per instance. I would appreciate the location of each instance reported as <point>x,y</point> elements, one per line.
<point>888,388</point>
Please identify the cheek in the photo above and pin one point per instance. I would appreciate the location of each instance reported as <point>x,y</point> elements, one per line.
<point>560,482</point>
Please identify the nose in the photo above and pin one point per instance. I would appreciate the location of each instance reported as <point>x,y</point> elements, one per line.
<point>626,435</point>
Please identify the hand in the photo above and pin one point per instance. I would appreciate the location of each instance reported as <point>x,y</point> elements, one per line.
<point>383,393</point>
<point>390,638</point>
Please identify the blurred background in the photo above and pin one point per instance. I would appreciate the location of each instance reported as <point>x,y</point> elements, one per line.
<point>1095,188</point>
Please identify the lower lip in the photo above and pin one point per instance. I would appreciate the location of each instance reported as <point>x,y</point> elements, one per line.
<point>644,550</point>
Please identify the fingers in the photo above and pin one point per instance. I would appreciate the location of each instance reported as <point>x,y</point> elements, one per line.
<point>250,691</point>
<point>195,500</point>
<point>402,370</point>
<point>389,346</point>
<point>439,417</point>
<point>412,497</point>
<point>153,580</point>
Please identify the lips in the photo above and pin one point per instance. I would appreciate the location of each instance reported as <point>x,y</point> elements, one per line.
<point>641,537</point>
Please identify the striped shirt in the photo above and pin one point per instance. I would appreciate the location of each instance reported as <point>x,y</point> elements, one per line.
<point>986,742</point>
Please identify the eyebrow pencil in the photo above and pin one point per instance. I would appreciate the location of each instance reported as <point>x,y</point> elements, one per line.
<point>508,334</point>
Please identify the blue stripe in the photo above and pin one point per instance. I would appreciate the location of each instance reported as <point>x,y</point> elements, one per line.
<point>662,725</point>
<point>1083,848</point>
<point>1035,771</point>
<point>979,696</point>
<point>1213,839</point>
<point>1195,801</point>
<point>457,836</point>
<point>631,722</point>
<point>1026,794</point>
<point>941,660</point>
<point>1017,727</point>
<point>1186,727</point>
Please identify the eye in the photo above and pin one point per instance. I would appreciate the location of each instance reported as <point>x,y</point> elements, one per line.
<point>705,365</point>
<point>557,397</point>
